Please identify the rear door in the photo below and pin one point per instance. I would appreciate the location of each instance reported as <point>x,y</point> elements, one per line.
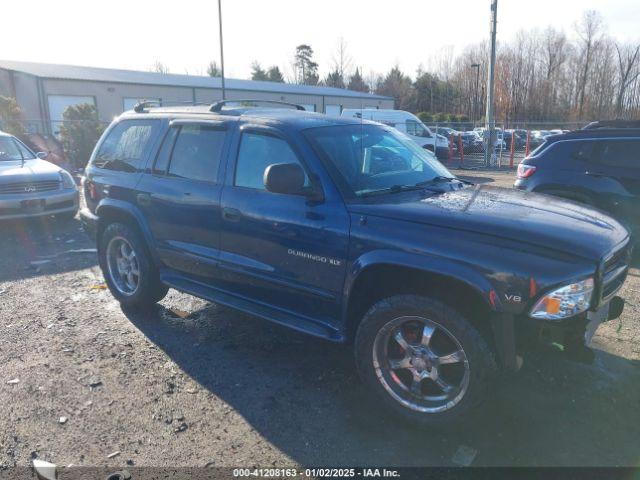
<point>180,195</point>
<point>617,164</point>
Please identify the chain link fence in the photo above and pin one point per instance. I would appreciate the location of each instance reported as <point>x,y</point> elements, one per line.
<point>472,147</point>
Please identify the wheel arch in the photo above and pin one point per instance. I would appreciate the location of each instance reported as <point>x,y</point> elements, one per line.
<point>111,210</point>
<point>381,276</point>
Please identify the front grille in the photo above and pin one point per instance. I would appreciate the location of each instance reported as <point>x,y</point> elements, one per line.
<point>29,187</point>
<point>615,271</point>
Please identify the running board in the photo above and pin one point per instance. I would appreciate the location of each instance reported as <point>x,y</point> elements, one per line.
<point>212,294</point>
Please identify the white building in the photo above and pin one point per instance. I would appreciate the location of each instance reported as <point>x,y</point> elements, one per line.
<point>43,91</point>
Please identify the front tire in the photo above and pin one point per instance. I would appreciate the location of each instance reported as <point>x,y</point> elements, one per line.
<point>128,269</point>
<point>423,359</point>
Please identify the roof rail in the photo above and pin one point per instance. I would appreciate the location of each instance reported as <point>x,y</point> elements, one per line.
<point>140,106</point>
<point>217,106</point>
<point>613,124</point>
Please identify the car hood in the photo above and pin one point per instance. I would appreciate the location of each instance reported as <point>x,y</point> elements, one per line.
<point>35,169</point>
<point>524,217</point>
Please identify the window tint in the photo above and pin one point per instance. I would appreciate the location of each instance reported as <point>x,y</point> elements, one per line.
<point>584,151</point>
<point>125,146</point>
<point>162,160</point>
<point>196,153</point>
<point>257,152</point>
<point>621,153</point>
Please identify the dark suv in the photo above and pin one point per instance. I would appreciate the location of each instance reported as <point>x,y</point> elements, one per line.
<point>598,166</point>
<point>347,230</point>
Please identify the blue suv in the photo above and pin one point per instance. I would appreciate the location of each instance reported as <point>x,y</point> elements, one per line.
<point>347,230</point>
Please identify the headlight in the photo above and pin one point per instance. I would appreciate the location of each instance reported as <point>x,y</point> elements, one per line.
<point>564,302</point>
<point>67,180</point>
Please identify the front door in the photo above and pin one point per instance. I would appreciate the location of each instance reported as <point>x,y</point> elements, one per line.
<point>283,251</point>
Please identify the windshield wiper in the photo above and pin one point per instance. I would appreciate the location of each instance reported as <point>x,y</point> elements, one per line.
<point>392,189</point>
<point>436,179</point>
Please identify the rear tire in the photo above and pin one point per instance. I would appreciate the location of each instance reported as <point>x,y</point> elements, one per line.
<point>128,269</point>
<point>424,360</point>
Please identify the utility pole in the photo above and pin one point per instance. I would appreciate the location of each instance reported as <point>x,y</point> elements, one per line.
<point>224,95</point>
<point>490,122</point>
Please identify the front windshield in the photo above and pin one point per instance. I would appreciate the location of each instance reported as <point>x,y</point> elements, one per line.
<point>10,150</point>
<point>373,158</point>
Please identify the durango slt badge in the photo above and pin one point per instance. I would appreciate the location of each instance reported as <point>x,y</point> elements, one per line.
<point>315,258</point>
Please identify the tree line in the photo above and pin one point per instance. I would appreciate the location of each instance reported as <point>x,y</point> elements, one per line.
<point>541,76</point>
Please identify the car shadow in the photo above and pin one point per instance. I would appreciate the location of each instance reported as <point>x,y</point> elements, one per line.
<point>303,396</point>
<point>43,246</point>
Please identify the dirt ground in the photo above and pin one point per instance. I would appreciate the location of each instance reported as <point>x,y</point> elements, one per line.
<point>194,384</point>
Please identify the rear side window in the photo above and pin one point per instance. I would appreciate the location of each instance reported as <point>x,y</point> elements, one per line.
<point>620,153</point>
<point>584,151</point>
<point>196,153</point>
<point>257,152</point>
<point>126,144</point>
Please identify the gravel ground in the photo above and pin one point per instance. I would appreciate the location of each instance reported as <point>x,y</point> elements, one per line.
<point>194,384</point>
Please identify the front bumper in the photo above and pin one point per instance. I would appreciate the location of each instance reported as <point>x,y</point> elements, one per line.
<point>572,335</point>
<point>38,204</point>
<point>521,184</point>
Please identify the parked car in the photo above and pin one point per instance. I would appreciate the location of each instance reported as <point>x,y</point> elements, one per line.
<point>519,142</point>
<point>471,142</point>
<point>598,167</point>
<point>345,229</point>
<point>405,122</point>
<point>537,137</point>
<point>32,187</point>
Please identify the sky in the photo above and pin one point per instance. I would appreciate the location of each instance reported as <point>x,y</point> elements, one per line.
<point>183,35</point>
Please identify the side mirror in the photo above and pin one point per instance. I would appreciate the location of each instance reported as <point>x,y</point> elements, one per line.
<point>286,178</point>
<point>42,155</point>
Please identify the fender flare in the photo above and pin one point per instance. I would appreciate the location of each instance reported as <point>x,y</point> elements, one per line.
<point>120,206</point>
<point>425,263</point>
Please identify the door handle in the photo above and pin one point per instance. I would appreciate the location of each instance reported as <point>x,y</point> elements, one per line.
<point>144,199</point>
<point>231,214</point>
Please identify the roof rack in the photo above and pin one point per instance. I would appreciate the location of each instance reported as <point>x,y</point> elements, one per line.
<point>613,124</point>
<point>217,107</point>
<point>141,106</point>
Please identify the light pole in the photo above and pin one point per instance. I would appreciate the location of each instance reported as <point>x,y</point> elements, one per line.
<point>475,94</point>
<point>224,95</point>
<point>490,123</point>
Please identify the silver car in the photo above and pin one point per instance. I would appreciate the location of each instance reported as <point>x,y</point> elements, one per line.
<point>31,186</point>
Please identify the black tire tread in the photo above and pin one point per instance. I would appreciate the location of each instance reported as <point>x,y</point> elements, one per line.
<point>151,289</point>
<point>480,355</point>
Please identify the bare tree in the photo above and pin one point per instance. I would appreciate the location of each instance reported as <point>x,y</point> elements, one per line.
<point>628,71</point>
<point>342,61</point>
<point>159,67</point>
<point>589,30</point>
